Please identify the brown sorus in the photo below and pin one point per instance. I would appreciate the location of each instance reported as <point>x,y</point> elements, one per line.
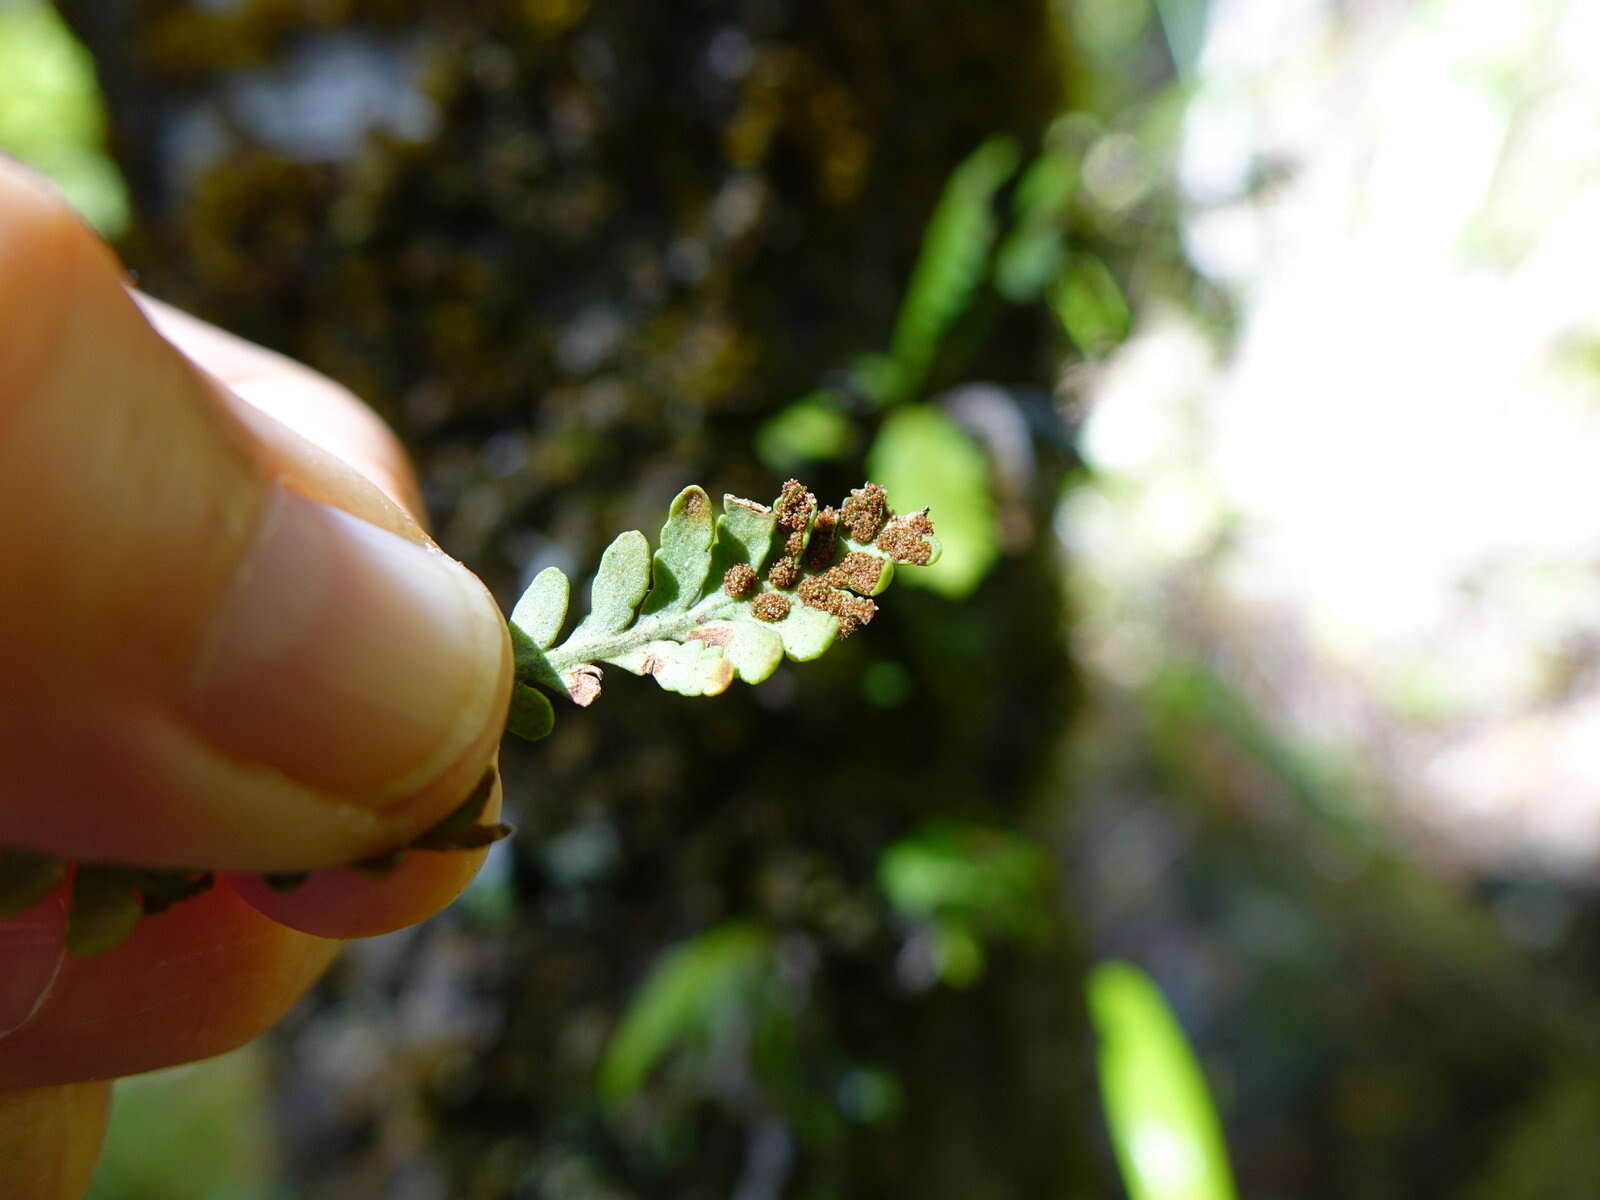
<point>769,606</point>
<point>738,581</point>
<point>864,512</point>
<point>860,571</point>
<point>852,611</point>
<point>783,573</point>
<point>795,506</point>
<point>824,539</point>
<point>905,539</point>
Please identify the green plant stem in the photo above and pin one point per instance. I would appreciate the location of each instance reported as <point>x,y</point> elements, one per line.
<point>663,628</point>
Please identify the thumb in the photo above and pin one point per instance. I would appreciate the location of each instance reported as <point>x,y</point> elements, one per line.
<point>50,1138</point>
<point>205,663</point>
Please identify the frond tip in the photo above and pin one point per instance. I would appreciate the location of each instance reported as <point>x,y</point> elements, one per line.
<point>723,597</point>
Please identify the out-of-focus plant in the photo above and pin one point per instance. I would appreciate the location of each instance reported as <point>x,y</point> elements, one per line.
<point>958,886</point>
<point>981,246</point>
<point>1090,305</point>
<point>962,885</point>
<point>698,987</point>
<point>195,1132</point>
<point>1549,1151</point>
<point>1034,253</point>
<point>51,115</point>
<point>1163,1124</point>
<point>953,264</point>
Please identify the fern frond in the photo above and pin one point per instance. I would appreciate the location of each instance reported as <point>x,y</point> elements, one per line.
<point>725,596</point>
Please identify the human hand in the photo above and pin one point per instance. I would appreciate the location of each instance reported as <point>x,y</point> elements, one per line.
<point>225,643</point>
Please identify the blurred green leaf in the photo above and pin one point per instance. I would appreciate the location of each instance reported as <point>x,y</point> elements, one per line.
<point>950,267</point>
<point>1163,1126</point>
<point>196,1132</point>
<point>51,114</point>
<point>921,453</point>
<point>811,430</point>
<point>1028,262</point>
<point>1046,187</point>
<point>1034,253</point>
<point>1090,305</point>
<point>690,987</point>
<point>1548,1150</point>
<point>869,1095</point>
<point>1112,28</point>
<point>886,684</point>
<point>962,883</point>
<point>881,378</point>
<point>986,878</point>
<point>957,953</point>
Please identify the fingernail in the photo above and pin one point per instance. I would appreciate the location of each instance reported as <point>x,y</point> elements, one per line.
<point>347,657</point>
<point>32,949</point>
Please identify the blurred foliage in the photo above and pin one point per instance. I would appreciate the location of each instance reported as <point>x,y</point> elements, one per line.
<point>196,1132</point>
<point>1091,306</point>
<point>1550,1152</point>
<point>691,991</point>
<point>920,451</point>
<point>814,429</point>
<point>949,270</point>
<point>1159,1111</point>
<point>986,877</point>
<point>1034,251</point>
<point>51,115</point>
<point>1382,1035</point>
<point>966,886</point>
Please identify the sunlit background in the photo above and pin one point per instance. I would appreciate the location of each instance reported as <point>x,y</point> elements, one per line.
<point>1378,491</point>
<point>1249,358</point>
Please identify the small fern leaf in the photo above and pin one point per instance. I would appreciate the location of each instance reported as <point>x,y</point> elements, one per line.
<point>720,600</point>
<point>684,558</point>
<point>543,607</point>
<point>532,663</point>
<point>619,585</point>
<point>689,668</point>
<point>744,535</point>
<point>754,649</point>
<point>807,632</point>
<point>531,716</point>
